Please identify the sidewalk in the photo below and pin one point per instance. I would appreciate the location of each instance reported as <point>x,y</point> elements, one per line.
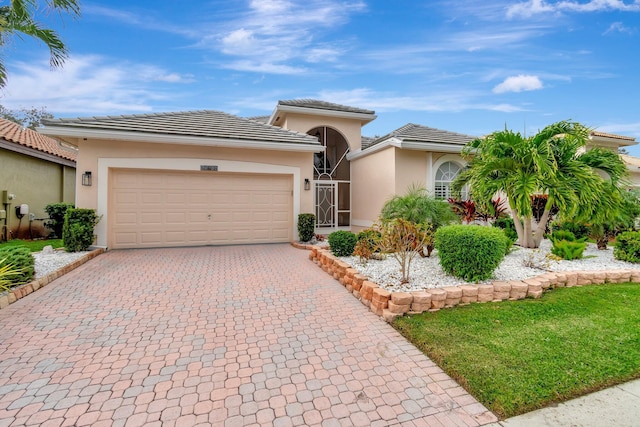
<point>618,406</point>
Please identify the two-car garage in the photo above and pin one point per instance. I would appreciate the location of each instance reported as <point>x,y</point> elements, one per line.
<point>160,208</point>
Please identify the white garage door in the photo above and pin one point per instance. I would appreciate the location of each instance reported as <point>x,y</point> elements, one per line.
<point>165,208</point>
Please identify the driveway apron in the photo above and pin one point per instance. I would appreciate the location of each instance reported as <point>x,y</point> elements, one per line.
<point>223,336</point>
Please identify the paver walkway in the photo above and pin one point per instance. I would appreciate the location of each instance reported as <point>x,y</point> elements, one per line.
<point>224,336</point>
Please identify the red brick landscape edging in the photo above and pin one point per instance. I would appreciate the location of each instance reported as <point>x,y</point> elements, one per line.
<point>23,290</point>
<point>390,305</point>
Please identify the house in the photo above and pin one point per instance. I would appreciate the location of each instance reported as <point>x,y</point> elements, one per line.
<point>207,177</point>
<point>35,170</point>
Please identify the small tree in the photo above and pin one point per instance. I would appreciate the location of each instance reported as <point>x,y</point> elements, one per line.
<point>402,240</point>
<point>552,162</point>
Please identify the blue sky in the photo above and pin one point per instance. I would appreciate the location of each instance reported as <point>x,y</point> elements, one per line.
<point>467,66</point>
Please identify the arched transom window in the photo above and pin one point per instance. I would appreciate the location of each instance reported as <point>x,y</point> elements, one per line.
<point>445,175</point>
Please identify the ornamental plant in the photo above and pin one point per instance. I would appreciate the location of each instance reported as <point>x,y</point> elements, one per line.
<point>56,212</point>
<point>403,240</point>
<point>367,244</point>
<point>18,264</point>
<point>566,246</point>
<point>342,243</point>
<point>77,233</point>
<point>306,226</point>
<point>628,247</point>
<point>470,252</point>
<point>7,275</point>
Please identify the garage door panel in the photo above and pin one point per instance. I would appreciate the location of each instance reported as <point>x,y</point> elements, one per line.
<point>168,208</point>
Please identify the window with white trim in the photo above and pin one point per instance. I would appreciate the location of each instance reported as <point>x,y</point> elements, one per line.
<point>445,175</point>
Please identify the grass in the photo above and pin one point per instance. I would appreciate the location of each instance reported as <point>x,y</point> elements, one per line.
<point>517,356</point>
<point>33,245</point>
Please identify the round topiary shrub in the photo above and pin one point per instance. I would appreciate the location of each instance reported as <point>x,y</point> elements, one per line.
<point>471,252</point>
<point>342,243</point>
<point>306,226</point>
<point>628,246</point>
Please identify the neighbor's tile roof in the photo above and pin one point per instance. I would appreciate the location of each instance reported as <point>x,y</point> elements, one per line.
<point>418,133</point>
<point>323,105</point>
<point>203,123</point>
<point>14,132</point>
<point>611,135</point>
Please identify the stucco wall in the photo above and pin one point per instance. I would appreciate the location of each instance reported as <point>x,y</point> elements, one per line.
<point>373,181</point>
<point>411,169</point>
<point>37,183</point>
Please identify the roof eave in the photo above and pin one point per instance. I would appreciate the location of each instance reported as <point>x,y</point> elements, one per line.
<point>79,133</point>
<point>362,117</point>
<point>438,147</point>
<point>608,141</point>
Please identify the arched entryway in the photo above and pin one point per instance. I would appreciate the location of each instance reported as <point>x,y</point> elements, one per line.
<point>332,181</point>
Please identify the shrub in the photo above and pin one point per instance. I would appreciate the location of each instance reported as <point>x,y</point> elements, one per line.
<point>77,233</point>
<point>628,247</point>
<point>367,243</point>
<point>579,230</point>
<point>566,246</point>
<point>342,243</point>
<point>56,212</point>
<point>19,260</point>
<point>7,275</point>
<point>568,250</point>
<point>470,252</point>
<point>403,240</point>
<point>306,226</point>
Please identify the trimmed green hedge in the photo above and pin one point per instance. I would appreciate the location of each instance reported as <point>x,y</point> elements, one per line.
<point>471,252</point>
<point>77,232</point>
<point>342,243</point>
<point>306,226</point>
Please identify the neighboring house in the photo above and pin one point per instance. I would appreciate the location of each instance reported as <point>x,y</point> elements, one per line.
<point>207,177</point>
<point>38,171</point>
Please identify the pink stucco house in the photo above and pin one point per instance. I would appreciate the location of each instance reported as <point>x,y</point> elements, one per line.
<point>207,177</point>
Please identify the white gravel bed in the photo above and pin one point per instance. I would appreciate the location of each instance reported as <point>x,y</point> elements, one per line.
<point>520,264</point>
<point>49,262</point>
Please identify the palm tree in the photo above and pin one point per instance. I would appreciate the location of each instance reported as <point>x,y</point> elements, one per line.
<point>18,19</point>
<point>553,162</point>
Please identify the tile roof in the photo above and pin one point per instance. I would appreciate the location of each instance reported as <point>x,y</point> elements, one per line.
<point>611,135</point>
<point>15,133</point>
<point>418,133</point>
<point>367,141</point>
<point>323,105</point>
<point>203,123</point>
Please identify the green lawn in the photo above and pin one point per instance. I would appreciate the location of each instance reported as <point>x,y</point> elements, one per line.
<point>33,245</point>
<point>517,356</point>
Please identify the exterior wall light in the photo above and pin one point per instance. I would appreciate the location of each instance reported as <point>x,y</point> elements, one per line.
<point>307,184</point>
<point>86,179</point>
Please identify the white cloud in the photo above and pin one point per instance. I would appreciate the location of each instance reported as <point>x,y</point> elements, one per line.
<point>282,33</point>
<point>519,83</point>
<point>87,85</point>
<point>534,7</point>
<point>619,28</point>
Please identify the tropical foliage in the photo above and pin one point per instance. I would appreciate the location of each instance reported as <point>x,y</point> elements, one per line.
<point>18,18</point>
<point>419,207</point>
<point>402,240</point>
<point>582,184</point>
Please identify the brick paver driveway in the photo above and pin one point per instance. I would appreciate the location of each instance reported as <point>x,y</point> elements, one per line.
<point>225,336</point>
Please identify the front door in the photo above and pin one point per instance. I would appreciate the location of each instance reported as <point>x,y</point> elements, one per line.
<point>332,182</point>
